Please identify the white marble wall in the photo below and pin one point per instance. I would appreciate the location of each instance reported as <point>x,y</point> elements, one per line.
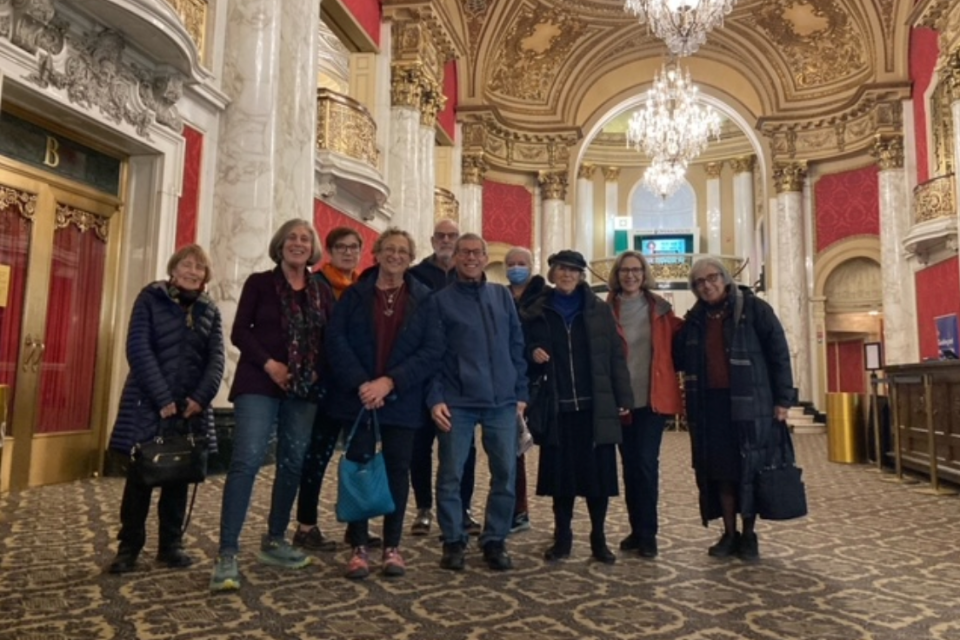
<point>955,108</point>
<point>611,206</point>
<point>403,175</point>
<point>744,232</point>
<point>714,216</point>
<point>791,288</point>
<point>897,312</point>
<point>583,231</point>
<point>428,182</point>
<point>471,208</point>
<point>552,231</point>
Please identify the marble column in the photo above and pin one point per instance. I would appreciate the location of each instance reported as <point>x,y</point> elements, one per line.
<point>611,177</point>
<point>471,192</point>
<point>267,138</point>
<point>553,189</point>
<point>714,212</point>
<point>431,104</point>
<point>583,231</point>
<point>404,150</point>
<point>792,290</point>
<point>894,225</point>
<point>744,243</point>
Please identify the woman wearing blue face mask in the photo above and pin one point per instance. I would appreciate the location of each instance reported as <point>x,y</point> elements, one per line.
<point>525,287</point>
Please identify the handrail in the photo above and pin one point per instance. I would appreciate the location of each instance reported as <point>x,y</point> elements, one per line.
<point>666,267</point>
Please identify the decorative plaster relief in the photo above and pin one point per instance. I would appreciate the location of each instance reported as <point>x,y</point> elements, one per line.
<point>888,150</point>
<point>473,169</point>
<point>854,284</point>
<point>511,148</point>
<point>553,185</point>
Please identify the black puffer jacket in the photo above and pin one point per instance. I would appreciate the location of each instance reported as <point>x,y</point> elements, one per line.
<point>172,358</point>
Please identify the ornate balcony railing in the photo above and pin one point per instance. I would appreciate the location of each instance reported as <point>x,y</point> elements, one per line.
<point>193,14</point>
<point>669,267</point>
<point>344,126</point>
<point>445,205</point>
<point>935,199</point>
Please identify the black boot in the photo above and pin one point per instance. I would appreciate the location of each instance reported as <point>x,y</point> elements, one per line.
<point>125,561</point>
<point>562,543</point>
<point>174,558</point>
<point>598,547</point>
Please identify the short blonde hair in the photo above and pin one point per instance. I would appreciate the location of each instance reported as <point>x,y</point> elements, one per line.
<point>194,251</point>
<point>613,281</point>
<point>391,232</point>
<point>276,242</point>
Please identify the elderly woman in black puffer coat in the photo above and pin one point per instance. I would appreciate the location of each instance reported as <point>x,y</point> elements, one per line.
<point>176,358</point>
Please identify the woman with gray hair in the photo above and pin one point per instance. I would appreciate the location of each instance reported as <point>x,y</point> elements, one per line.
<point>739,385</point>
<point>279,330</point>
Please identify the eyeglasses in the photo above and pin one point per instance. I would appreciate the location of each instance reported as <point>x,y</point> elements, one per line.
<point>711,278</point>
<point>630,271</point>
<point>346,248</point>
<point>453,235</point>
<point>395,251</point>
<point>471,253</point>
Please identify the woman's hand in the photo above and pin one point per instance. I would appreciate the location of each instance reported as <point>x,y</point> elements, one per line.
<point>781,413</point>
<point>441,415</point>
<point>540,356</point>
<point>169,410</point>
<point>278,372</point>
<point>374,393</point>
<point>193,408</point>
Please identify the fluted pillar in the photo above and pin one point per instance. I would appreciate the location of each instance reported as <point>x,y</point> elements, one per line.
<point>266,151</point>
<point>743,216</point>
<point>714,213</point>
<point>405,150</point>
<point>471,205</point>
<point>894,209</point>
<point>790,280</point>
<point>611,178</point>
<point>553,189</point>
<point>583,231</point>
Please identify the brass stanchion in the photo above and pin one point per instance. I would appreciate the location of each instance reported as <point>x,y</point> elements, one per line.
<point>934,489</point>
<point>875,409</point>
<point>895,429</point>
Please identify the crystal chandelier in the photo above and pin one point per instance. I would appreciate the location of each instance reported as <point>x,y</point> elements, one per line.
<point>682,24</point>
<point>673,125</point>
<point>664,177</point>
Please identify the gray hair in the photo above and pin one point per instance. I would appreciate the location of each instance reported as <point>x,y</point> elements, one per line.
<point>522,251</point>
<point>276,242</point>
<point>702,264</point>
<point>470,237</point>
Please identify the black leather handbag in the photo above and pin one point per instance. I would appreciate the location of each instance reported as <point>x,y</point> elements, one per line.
<point>174,456</point>
<point>779,490</point>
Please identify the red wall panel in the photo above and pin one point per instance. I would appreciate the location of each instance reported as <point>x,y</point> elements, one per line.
<point>188,208</point>
<point>924,49</point>
<point>507,214</point>
<point>326,218</point>
<point>367,14</point>
<point>845,367</point>
<point>448,117</point>
<point>833,377</point>
<point>938,294</point>
<point>848,204</point>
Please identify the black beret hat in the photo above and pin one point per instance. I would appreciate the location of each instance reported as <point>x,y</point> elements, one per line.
<point>569,258</point>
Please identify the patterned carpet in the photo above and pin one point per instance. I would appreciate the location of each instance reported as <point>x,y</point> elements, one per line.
<point>873,561</point>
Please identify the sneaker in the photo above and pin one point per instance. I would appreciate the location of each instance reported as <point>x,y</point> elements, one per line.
<point>521,522</point>
<point>647,548</point>
<point>749,549</point>
<point>314,540</point>
<point>470,524</point>
<point>421,524</point>
<point>496,557</point>
<point>279,553</point>
<point>726,546</point>
<point>174,558</point>
<point>226,575</point>
<point>393,565</point>
<point>359,566</point>
<point>453,556</point>
<point>124,562</point>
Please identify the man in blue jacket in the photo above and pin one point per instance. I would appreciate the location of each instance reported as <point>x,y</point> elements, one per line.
<point>482,380</point>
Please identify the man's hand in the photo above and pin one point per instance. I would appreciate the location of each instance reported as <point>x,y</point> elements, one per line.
<point>780,413</point>
<point>193,408</point>
<point>521,408</point>
<point>441,415</point>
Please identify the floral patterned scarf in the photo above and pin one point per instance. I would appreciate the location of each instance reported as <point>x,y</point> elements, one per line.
<point>304,327</point>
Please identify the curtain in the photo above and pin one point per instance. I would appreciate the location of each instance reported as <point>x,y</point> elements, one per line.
<point>14,252</point>
<point>68,367</point>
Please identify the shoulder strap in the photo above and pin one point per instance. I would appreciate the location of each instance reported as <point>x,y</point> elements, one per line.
<point>356,424</point>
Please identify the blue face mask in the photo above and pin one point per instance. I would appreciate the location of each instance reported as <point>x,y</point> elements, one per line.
<point>518,275</point>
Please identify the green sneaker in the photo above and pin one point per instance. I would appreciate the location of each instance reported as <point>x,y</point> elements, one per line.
<point>226,575</point>
<point>279,553</point>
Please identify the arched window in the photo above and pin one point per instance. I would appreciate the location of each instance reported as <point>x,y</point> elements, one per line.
<point>651,213</point>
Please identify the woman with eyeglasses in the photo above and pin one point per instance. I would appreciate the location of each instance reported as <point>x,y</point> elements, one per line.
<point>739,385</point>
<point>344,246</point>
<point>648,325</point>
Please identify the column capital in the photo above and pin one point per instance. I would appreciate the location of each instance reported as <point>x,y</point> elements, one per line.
<point>611,174</point>
<point>432,101</point>
<point>406,86</point>
<point>888,151</point>
<point>713,170</point>
<point>743,164</point>
<point>553,184</point>
<point>789,177</point>
<point>951,74</point>
<point>586,171</point>
<point>473,167</point>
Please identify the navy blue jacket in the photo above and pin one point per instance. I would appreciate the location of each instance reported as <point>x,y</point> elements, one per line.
<point>170,360</point>
<point>434,277</point>
<point>483,365</point>
<point>352,351</point>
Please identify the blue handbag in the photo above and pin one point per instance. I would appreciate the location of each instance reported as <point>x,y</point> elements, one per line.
<point>363,491</point>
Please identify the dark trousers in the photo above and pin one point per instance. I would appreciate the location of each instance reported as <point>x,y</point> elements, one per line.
<point>397,451</point>
<point>640,457</point>
<point>135,506</point>
<point>421,469</point>
<point>563,519</point>
<point>521,505</point>
<point>323,441</point>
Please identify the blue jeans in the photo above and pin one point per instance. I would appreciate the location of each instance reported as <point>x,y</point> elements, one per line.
<point>498,433</point>
<point>640,455</point>
<point>256,417</point>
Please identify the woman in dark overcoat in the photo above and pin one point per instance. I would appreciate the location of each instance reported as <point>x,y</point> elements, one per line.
<point>572,337</point>
<point>739,386</point>
<point>175,353</point>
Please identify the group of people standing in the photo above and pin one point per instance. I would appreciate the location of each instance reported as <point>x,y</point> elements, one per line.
<point>432,352</point>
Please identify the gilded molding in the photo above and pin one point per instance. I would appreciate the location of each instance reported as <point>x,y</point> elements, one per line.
<point>553,185</point>
<point>611,174</point>
<point>743,164</point>
<point>713,170</point>
<point>345,127</point>
<point>193,15</point>
<point>950,74</point>
<point>789,177</point>
<point>888,151</point>
<point>83,220</point>
<point>934,199</point>
<point>406,88</point>
<point>516,149</point>
<point>586,171</point>
<point>25,203</point>
<point>677,269</point>
<point>445,205</point>
<point>473,168</point>
<point>432,101</point>
<point>942,16</point>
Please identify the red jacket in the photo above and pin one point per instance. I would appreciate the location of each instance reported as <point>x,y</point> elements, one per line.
<point>665,396</point>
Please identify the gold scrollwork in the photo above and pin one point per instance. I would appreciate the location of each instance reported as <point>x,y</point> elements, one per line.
<point>888,150</point>
<point>743,164</point>
<point>713,169</point>
<point>473,168</point>
<point>611,174</point>
<point>25,203</point>
<point>445,205</point>
<point>934,199</point>
<point>432,102</point>
<point>941,121</point>
<point>789,177</point>
<point>553,185</point>
<point>82,220</point>
<point>586,171</point>
<point>345,126</point>
<point>406,86</point>
<point>675,268</point>
<point>193,15</point>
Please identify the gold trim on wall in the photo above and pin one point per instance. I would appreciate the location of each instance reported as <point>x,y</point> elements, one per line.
<point>345,126</point>
<point>445,205</point>
<point>193,15</point>
<point>934,199</point>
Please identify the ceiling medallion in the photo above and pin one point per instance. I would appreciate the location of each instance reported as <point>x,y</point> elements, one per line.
<point>682,24</point>
<point>664,177</point>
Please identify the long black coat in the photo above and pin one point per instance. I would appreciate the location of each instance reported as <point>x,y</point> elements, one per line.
<point>604,358</point>
<point>172,358</point>
<point>760,379</point>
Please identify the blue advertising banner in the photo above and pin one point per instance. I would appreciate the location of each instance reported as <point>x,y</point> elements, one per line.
<point>947,335</point>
